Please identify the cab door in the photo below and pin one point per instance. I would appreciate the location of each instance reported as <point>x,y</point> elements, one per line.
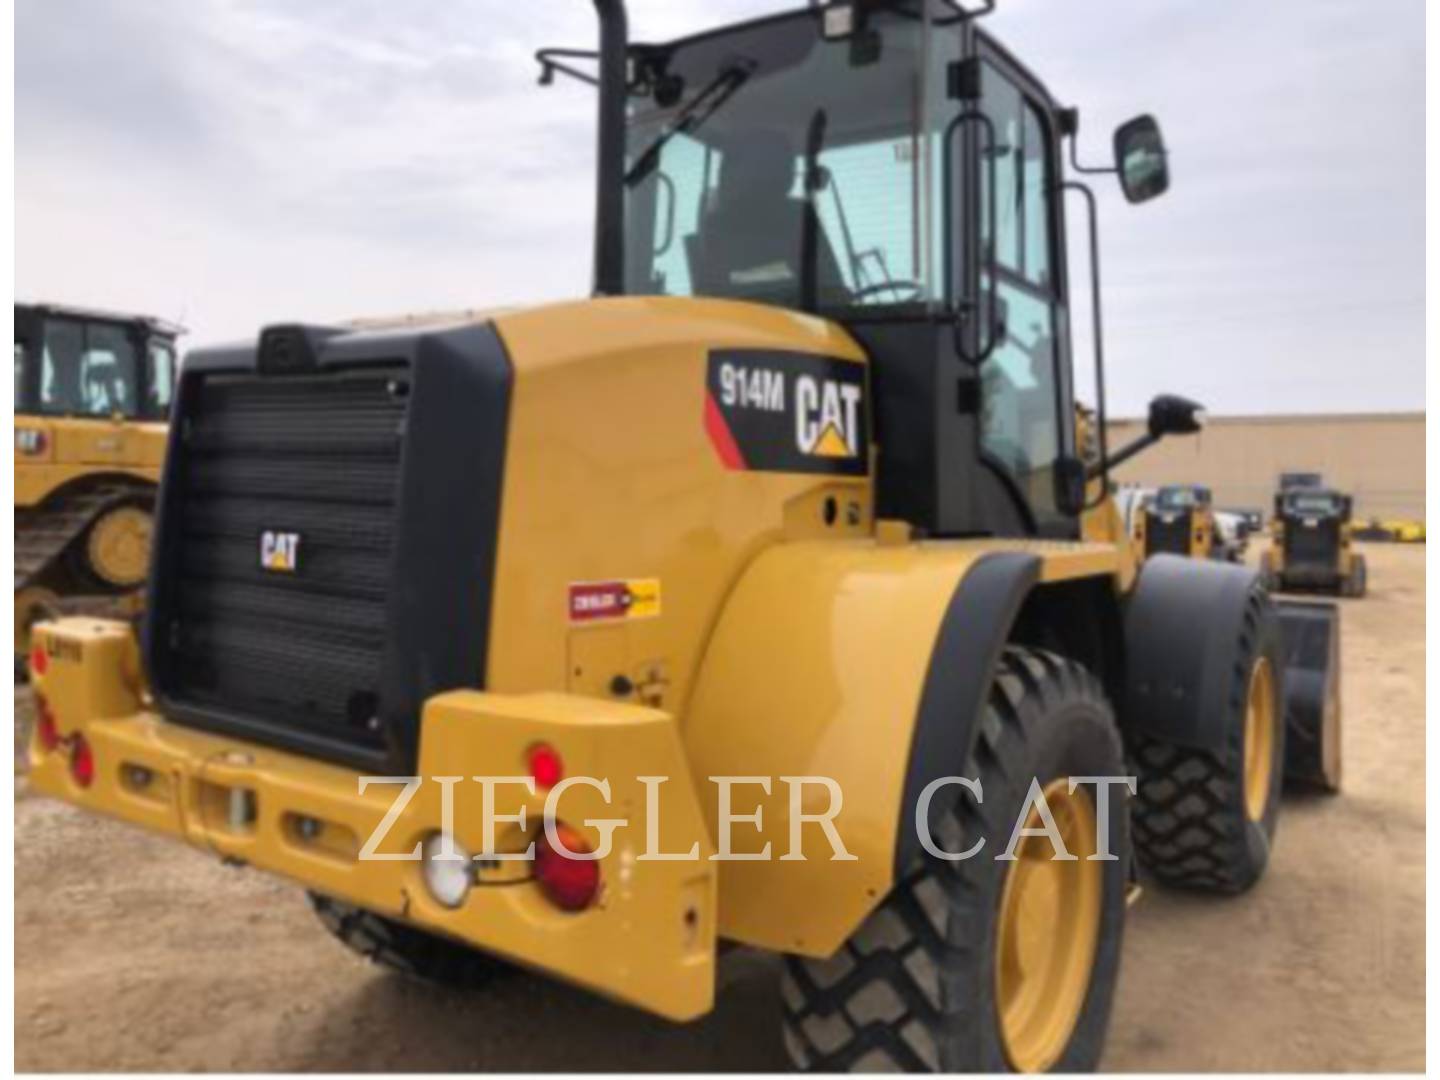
<point>1026,409</point>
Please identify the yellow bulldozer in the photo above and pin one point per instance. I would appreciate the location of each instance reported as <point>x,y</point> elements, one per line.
<point>762,599</point>
<point>92,396</point>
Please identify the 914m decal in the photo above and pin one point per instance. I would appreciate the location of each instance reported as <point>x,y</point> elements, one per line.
<point>788,413</point>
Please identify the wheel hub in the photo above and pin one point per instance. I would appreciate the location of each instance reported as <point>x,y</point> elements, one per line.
<point>1259,738</point>
<point>119,547</point>
<point>1048,933</point>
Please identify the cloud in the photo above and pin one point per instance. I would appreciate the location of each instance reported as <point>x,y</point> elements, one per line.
<point>235,163</point>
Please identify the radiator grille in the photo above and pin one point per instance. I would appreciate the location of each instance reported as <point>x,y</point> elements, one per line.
<point>318,456</point>
<point>1167,538</point>
<point>1317,547</point>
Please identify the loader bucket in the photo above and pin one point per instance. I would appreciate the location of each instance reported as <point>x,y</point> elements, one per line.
<point>1312,694</point>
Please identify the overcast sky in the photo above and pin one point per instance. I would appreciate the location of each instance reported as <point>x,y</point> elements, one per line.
<point>232,163</point>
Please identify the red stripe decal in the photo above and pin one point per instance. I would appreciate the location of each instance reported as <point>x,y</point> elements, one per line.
<point>720,436</point>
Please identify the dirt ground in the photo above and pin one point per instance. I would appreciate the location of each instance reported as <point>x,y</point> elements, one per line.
<point>133,953</point>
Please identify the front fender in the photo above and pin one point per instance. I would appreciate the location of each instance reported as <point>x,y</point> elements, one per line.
<point>1182,622</point>
<point>859,662</point>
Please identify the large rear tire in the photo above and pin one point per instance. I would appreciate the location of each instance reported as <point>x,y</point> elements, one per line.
<point>982,964</point>
<point>407,949</point>
<point>1206,820</point>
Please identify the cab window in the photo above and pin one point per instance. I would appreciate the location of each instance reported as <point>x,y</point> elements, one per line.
<point>1021,427</point>
<point>160,386</point>
<point>87,370</point>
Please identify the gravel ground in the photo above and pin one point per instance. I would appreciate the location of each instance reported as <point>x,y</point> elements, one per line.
<point>134,953</point>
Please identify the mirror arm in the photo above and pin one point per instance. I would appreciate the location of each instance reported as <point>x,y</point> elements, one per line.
<point>1124,454</point>
<point>552,60</point>
<point>1087,170</point>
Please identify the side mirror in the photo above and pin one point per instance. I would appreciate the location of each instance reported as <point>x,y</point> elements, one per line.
<point>1169,415</point>
<point>1141,159</point>
<point>1172,415</point>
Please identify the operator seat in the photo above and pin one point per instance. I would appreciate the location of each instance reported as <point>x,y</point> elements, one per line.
<point>751,243</point>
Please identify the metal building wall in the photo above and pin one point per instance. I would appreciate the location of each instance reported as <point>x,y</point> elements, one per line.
<point>1378,458</point>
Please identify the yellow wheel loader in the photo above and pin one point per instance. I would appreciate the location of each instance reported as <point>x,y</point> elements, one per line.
<point>1312,544</point>
<point>92,395</point>
<point>763,599</point>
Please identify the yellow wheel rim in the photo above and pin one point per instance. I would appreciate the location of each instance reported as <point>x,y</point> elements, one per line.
<point>1259,738</point>
<point>32,605</point>
<point>1048,933</point>
<point>119,547</point>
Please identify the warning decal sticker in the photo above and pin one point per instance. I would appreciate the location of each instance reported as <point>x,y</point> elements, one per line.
<point>787,412</point>
<point>595,601</point>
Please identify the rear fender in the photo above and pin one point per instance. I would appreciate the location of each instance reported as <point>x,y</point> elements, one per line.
<point>863,663</point>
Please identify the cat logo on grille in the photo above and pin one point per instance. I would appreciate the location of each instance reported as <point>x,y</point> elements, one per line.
<point>280,552</point>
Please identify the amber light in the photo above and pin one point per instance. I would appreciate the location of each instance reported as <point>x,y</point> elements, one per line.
<point>546,766</point>
<point>570,884</point>
<point>47,731</point>
<point>82,761</point>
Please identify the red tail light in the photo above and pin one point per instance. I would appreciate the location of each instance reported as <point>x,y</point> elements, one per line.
<point>82,761</point>
<point>39,662</point>
<point>569,884</point>
<point>47,731</point>
<point>546,766</point>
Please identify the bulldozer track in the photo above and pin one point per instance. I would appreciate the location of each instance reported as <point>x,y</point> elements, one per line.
<point>43,533</point>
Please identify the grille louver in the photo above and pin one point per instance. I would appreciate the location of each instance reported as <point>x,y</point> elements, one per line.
<point>319,456</point>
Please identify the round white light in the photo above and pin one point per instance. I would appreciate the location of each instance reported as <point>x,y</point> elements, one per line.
<point>449,871</point>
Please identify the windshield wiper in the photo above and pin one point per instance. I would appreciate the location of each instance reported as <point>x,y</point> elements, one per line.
<point>689,119</point>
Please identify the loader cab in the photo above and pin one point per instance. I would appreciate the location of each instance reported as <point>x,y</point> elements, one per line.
<point>890,167</point>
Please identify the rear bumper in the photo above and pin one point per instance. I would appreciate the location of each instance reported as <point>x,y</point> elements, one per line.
<point>649,940</point>
<point>1308,575</point>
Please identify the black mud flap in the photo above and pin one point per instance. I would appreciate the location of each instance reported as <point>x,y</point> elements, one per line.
<point>1312,694</point>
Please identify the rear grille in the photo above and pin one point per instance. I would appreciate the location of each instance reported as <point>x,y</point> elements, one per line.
<point>1316,547</point>
<point>318,456</point>
<point>1167,538</point>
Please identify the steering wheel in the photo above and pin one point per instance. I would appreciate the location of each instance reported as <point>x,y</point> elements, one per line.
<point>914,289</point>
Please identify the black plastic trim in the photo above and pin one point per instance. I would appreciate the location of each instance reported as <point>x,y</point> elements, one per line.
<point>972,635</point>
<point>1181,626</point>
<point>447,532</point>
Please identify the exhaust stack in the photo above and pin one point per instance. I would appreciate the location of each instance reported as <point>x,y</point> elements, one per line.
<point>610,155</point>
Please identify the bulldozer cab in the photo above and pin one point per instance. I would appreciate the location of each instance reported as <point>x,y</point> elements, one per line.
<point>890,167</point>
<point>80,364</point>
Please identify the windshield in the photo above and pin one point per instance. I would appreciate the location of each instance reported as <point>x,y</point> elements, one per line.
<point>1176,498</point>
<point>1314,503</point>
<point>773,164</point>
<point>84,369</point>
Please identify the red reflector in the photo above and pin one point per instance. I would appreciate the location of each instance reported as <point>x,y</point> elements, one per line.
<point>82,761</point>
<point>546,766</point>
<point>39,662</point>
<point>47,731</point>
<point>569,884</point>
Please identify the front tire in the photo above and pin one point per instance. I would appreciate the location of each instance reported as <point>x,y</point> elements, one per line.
<point>982,964</point>
<point>1357,584</point>
<point>1206,820</point>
